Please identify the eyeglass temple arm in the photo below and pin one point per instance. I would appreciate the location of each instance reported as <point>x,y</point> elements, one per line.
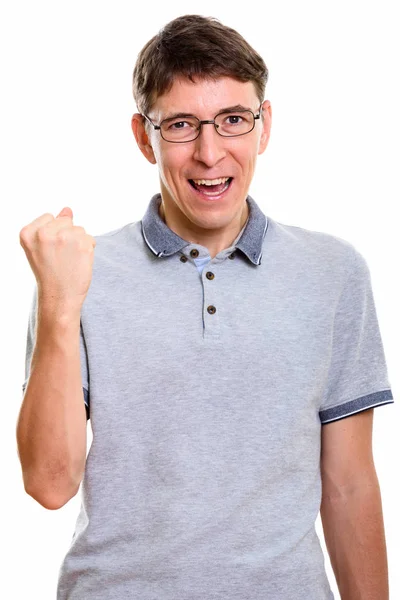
<point>151,122</point>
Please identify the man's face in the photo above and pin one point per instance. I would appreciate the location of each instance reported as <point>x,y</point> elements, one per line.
<point>210,156</point>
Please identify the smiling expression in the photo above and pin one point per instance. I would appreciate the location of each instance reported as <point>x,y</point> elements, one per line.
<point>210,156</point>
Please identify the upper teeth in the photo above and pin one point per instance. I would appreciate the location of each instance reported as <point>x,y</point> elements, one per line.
<point>211,181</point>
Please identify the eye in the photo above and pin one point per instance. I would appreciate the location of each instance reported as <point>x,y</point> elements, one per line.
<point>233,119</point>
<point>178,125</point>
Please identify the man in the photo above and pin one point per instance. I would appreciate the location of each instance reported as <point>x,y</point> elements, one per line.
<point>231,364</point>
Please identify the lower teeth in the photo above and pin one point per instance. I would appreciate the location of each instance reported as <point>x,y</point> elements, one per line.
<point>203,191</point>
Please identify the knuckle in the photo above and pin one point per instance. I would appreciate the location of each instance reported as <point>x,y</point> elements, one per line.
<point>43,235</point>
<point>62,237</point>
<point>23,234</point>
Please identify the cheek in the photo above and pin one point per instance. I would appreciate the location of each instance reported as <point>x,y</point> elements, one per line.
<point>172,161</point>
<point>244,152</point>
<point>247,160</point>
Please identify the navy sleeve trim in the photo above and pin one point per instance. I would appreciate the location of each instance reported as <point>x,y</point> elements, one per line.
<point>354,406</point>
<point>86,399</point>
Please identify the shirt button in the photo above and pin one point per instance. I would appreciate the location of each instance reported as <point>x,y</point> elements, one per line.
<point>194,253</point>
<point>211,309</point>
<point>210,275</point>
<point>232,256</point>
<point>183,258</point>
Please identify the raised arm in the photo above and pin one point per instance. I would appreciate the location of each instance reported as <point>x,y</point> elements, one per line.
<point>51,426</point>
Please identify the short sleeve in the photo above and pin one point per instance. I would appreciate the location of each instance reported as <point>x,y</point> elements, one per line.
<point>358,377</point>
<point>30,344</point>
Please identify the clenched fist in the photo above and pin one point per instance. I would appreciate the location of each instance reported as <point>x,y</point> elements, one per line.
<point>61,257</point>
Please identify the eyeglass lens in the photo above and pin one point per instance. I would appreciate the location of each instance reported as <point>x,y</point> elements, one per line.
<point>187,129</point>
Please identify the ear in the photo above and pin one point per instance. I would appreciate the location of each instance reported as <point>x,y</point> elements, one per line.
<point>266,125</point>
<point>141,137</point>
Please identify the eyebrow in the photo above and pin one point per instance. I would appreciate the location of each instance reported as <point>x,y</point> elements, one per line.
<point>227,109</point>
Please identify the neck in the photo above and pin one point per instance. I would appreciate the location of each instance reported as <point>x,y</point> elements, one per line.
<point>215,240</point>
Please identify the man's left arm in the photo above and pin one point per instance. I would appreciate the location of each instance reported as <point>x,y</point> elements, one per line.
<point>351,509</point>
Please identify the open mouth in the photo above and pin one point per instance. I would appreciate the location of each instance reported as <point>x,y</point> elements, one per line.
<point>211,191</point>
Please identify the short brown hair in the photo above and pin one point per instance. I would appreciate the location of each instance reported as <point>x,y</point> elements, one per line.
<point>193,45</point>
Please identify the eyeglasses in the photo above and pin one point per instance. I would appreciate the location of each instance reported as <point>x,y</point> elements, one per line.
<point>186,129</point>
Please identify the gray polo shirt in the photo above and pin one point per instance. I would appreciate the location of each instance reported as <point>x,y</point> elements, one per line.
<point>208,383</point>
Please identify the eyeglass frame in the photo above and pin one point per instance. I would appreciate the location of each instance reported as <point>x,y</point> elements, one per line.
<point>205,122</point>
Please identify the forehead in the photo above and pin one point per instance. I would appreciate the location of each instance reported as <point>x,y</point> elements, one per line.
<point>205,97</point>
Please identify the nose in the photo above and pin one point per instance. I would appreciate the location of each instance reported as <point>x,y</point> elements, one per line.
<point>209,147</point>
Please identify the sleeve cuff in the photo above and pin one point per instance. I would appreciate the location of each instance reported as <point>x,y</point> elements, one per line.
<point>354,406</point>
<point>86,399</point>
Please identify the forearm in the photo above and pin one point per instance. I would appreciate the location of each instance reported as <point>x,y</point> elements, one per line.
<point>50,436</point>
<point>355,539</point>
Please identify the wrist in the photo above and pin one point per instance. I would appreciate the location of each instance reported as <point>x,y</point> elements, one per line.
<point>61,313</point>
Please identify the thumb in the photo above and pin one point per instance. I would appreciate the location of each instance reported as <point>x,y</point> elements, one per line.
<point>66,212</point>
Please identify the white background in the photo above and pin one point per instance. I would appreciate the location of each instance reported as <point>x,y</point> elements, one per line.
<point>332,165</point>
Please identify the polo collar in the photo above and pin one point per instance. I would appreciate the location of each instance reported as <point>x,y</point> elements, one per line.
<point>162,241</point>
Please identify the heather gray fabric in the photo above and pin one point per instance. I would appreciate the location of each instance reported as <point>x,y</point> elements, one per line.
<point>208,389</point>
